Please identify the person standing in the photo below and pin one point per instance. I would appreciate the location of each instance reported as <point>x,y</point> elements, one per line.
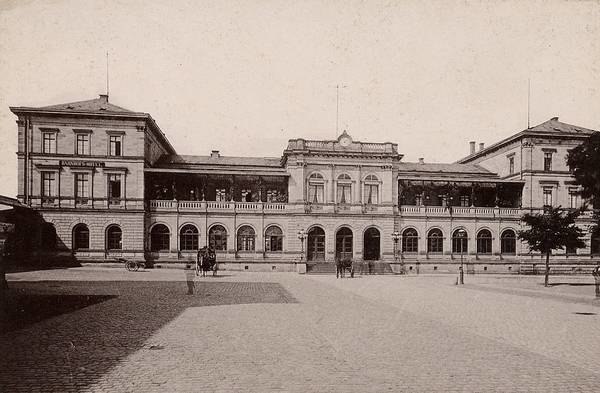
<point>596,274</point>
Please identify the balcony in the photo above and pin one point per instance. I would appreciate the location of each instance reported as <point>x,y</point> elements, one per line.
<point>216,206</point>
<point>458,211</point>
<point>159,205</point>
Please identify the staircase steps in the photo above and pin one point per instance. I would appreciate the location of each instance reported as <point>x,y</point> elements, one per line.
<point>359,268</point>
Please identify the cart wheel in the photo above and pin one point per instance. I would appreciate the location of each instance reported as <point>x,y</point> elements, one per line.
<point>131,266</point>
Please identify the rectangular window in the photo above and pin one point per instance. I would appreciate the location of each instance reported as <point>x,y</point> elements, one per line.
<point>82,146</point>
<point>82,191</point>
<point>115,145</point>
<point>547,161</point>
<point>49,142</point>
<point>465,201</point>
<point>114,188</point>
<point>220,195</point>
<point>511,165</point>
<point>371,194</point>
<point>547,196</point>
<point>419,200</point>
<point>344,193</point>
<point>316,193</point>
<point>48,184</point>
<point>272,196</point>
<point>246,195</point>
<point>574,199</point>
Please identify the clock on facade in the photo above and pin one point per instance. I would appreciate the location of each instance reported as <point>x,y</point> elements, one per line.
<point>345,139</point>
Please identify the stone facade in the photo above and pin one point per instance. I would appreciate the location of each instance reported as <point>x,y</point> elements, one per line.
<point>108,184</point>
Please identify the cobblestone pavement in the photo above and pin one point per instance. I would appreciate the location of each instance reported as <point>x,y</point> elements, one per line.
<point>287,332</point>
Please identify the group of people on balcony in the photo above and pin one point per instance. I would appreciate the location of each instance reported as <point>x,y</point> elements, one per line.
<point>449,194</point>
<point>221,194</point>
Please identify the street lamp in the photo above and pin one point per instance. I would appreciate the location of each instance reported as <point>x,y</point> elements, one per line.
<point>462,234</point>
<point>302,235</point>
<point>396,236</point>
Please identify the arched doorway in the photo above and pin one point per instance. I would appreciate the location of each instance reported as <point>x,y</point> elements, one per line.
<point>343,244</point>
<point>371,243</point>
<point>315,249</point>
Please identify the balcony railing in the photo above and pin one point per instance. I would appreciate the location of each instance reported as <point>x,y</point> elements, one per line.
<point>215,206</point>
<point>328,208</point>
<point>459,211</point>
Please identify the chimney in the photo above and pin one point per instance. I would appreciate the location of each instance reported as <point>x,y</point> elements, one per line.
<point>104,98</point>
<point>215,154</point>
<point>472,145</point>
<point>421,160</point>
<point>481,145</point>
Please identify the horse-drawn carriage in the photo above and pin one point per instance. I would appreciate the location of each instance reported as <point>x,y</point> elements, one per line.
<point>344,265</point>
<point>206,261</point>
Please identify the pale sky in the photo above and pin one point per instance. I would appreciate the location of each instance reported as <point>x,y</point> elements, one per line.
<point>243,77</point>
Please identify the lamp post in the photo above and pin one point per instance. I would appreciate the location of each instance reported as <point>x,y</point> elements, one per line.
<point>395,237</point>
<point>302,235</point>
<point>461,272</point>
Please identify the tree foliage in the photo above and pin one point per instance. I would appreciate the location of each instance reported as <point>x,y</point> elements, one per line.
<point>584,162</point>
<point>553,230</point>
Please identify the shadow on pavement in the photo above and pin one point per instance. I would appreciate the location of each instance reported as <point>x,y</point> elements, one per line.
<point>98,324</point>
<point>24,309</point>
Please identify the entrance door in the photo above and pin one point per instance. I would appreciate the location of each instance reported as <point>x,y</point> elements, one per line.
<point>371,242</point>
<point>316,244</point>
<point>343,244</point>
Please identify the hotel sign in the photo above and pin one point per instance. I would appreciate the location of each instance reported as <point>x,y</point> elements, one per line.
<point>84,164</point>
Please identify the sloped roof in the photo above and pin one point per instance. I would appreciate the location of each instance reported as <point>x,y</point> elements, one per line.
<point>549,127</point>
<point>179,160</point>
<point>100,104</point>
<point>431,168</point>
<point>555,126</point>
<point>98,107</point>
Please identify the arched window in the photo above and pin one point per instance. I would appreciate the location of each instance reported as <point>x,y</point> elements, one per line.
<point>81,237</point>
<point>344,189</point>
<point>160,238</point>
<point>315,244</point>
<point>114,238</point>
<point>316,188</point>
<point>371,187</point>
<point>435,241</point>
<point>508,242</point>
<point>245,238</point>
<point>188,238</point>
<point>217,238</point>
<point>273,239</point>
<point>460,242</point>
<point>410,240</point>
<point>484,242</point>
<point>48,237</point>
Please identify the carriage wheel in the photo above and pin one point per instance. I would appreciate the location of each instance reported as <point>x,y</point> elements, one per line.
<point>131,266</point>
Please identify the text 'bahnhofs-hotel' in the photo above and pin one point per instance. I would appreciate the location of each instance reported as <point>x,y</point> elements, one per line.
<point>106,182</point>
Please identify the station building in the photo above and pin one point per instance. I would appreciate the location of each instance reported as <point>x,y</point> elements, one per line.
<point>107,183</point>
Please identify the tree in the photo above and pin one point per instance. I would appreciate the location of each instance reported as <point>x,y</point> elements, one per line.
<point>553,230</point>
<point>584,162</point>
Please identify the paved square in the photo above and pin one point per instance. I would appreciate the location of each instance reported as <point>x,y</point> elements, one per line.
<point>141,332</point>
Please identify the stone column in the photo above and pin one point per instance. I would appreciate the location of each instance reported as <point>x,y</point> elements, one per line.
<point>332,189</point>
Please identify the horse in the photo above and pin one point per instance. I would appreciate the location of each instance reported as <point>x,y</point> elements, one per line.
<point>210,262</point>
<point>206,261</point>
<point>342,265</point>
